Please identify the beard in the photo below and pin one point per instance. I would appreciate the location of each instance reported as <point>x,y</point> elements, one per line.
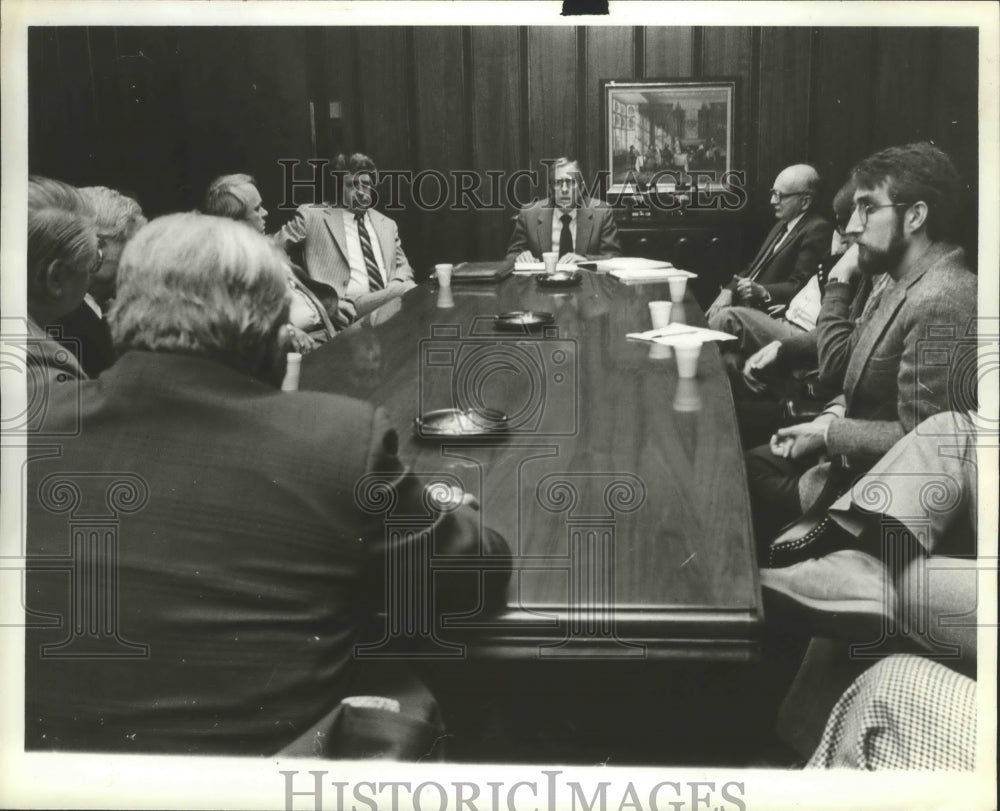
<point>873,261</point>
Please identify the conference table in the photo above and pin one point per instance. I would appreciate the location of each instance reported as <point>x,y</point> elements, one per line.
<point>619,486</point>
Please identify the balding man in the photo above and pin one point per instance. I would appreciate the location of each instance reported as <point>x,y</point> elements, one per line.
<point>791,252</point>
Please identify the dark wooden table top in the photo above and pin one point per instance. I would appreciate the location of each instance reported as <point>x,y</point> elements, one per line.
<point>620,488</point>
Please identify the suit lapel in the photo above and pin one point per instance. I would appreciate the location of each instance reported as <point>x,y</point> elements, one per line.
<point>765,251</point>
<point>584,227</point>
<point>333,218</point>
<point>386,241</point>
<point>544,226</point>
<point>791,235</point>
<point>893,298</point>
<point>871,334</point>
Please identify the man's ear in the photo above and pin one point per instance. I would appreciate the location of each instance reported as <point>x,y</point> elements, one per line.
<point>54,278</point>
<point>916,216</point>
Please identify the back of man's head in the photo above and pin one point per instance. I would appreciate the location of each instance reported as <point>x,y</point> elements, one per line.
<point>226,198</point>
<point>206,286</point>
<point>913,173</point>
<point>61,234</point>
<point>843,204</point>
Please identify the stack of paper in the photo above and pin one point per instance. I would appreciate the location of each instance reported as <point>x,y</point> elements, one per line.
<point>635,269</point>
<point>531,268</point>
<point>668,335</point>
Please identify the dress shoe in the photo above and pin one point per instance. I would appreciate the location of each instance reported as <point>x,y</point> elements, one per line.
<point>809,537</point>
<point>846,594</point>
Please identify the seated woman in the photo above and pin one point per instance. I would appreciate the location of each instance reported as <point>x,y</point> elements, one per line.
<point>316,312</point>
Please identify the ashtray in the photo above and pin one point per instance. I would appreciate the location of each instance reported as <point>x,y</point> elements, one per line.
<point>519,320</point>
<point>453,423</point>
<point>561,278</point>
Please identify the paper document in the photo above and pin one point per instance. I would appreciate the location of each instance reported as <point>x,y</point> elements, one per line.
<point>530,268</point>
<point>631,263</point>
<point>667,335</point>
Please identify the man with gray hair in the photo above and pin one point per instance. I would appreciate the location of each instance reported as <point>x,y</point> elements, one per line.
<point>242,564</point>
<point>316,312</point>
<point>789,254</point>
<point>85,332</point>
<point>579,229</point>
<point>63,254</point>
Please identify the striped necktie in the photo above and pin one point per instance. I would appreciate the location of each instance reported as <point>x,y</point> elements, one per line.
<point>374,277</point>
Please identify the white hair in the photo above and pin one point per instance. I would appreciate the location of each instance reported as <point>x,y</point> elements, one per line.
<point>201,285</point>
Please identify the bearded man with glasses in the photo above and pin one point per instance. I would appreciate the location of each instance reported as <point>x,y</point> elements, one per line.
<point>907,351</point>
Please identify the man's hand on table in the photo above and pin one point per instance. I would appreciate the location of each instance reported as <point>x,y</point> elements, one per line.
<point>525,256</point>
<point>572,259</point>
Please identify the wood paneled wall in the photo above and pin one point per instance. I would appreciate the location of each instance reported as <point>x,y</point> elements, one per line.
<point>161,111</point>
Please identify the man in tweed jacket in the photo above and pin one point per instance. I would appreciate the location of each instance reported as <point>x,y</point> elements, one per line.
<point>910,352</point>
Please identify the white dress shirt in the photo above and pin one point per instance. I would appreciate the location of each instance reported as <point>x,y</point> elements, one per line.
<point>358,283</point>
<point>557,214</point>
<point>788,230</point>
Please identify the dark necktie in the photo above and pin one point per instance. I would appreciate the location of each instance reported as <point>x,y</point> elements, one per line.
<point>566,237</point>
<point>766,253</point>
<point>374,277</point>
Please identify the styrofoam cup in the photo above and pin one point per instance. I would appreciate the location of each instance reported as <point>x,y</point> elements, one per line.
<point>551,260</point>
<point>678,285</point>
<point>686,350</point>
<point>659,312</point>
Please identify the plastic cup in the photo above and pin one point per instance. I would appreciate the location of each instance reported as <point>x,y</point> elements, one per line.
<point>687,397</point>
<point>443,274</point>
<point>659,351</point>
<point>686,350</point>
<point>445,301</point>
<point>551,260</point>
<point>678,285</point>
<point>293,365</point>
<point>659,312</point>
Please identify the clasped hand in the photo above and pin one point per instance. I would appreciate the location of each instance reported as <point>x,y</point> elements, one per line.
<point>565,259</point>
<point>797,441</point>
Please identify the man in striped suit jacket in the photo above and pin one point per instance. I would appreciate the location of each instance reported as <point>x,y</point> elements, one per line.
<point>350,246</point>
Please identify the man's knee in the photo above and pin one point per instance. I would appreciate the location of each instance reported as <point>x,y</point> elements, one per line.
<point>723,320</point>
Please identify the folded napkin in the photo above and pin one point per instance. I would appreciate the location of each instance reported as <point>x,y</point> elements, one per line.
<point>670,334</point>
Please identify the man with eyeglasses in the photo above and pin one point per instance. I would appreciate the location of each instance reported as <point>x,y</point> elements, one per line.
<point>909,349</point>
<point>85,333</point>
<point>789,254</point>
<point>579,229</point>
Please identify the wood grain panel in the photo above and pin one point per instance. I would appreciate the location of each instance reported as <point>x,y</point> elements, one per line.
<point>669,52</point>
<point>337,61</point>
<point>902,63</point>
<point>496,126</point>
<point>783,122</point>
<point>609,56</point>
<point>727,51</point>
<point>442,138</point>
<point>383,62</point>
<point>552,97</point>
<point>666,552</point>
<point>840,116</point>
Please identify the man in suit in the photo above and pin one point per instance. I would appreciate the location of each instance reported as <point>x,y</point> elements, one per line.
<point>906,356</point>
<point>85,332</point>
<point>315,312</point>
<point>245,533</point>
<point>348,245</point>
<point>579,229</point>
<point>64,253</point>
<point>790,253</point>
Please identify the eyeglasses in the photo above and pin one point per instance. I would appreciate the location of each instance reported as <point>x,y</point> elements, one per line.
<point>564,181</point>
<point>97,263</point>
<point>781,195</point>
<point>863,210</point>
